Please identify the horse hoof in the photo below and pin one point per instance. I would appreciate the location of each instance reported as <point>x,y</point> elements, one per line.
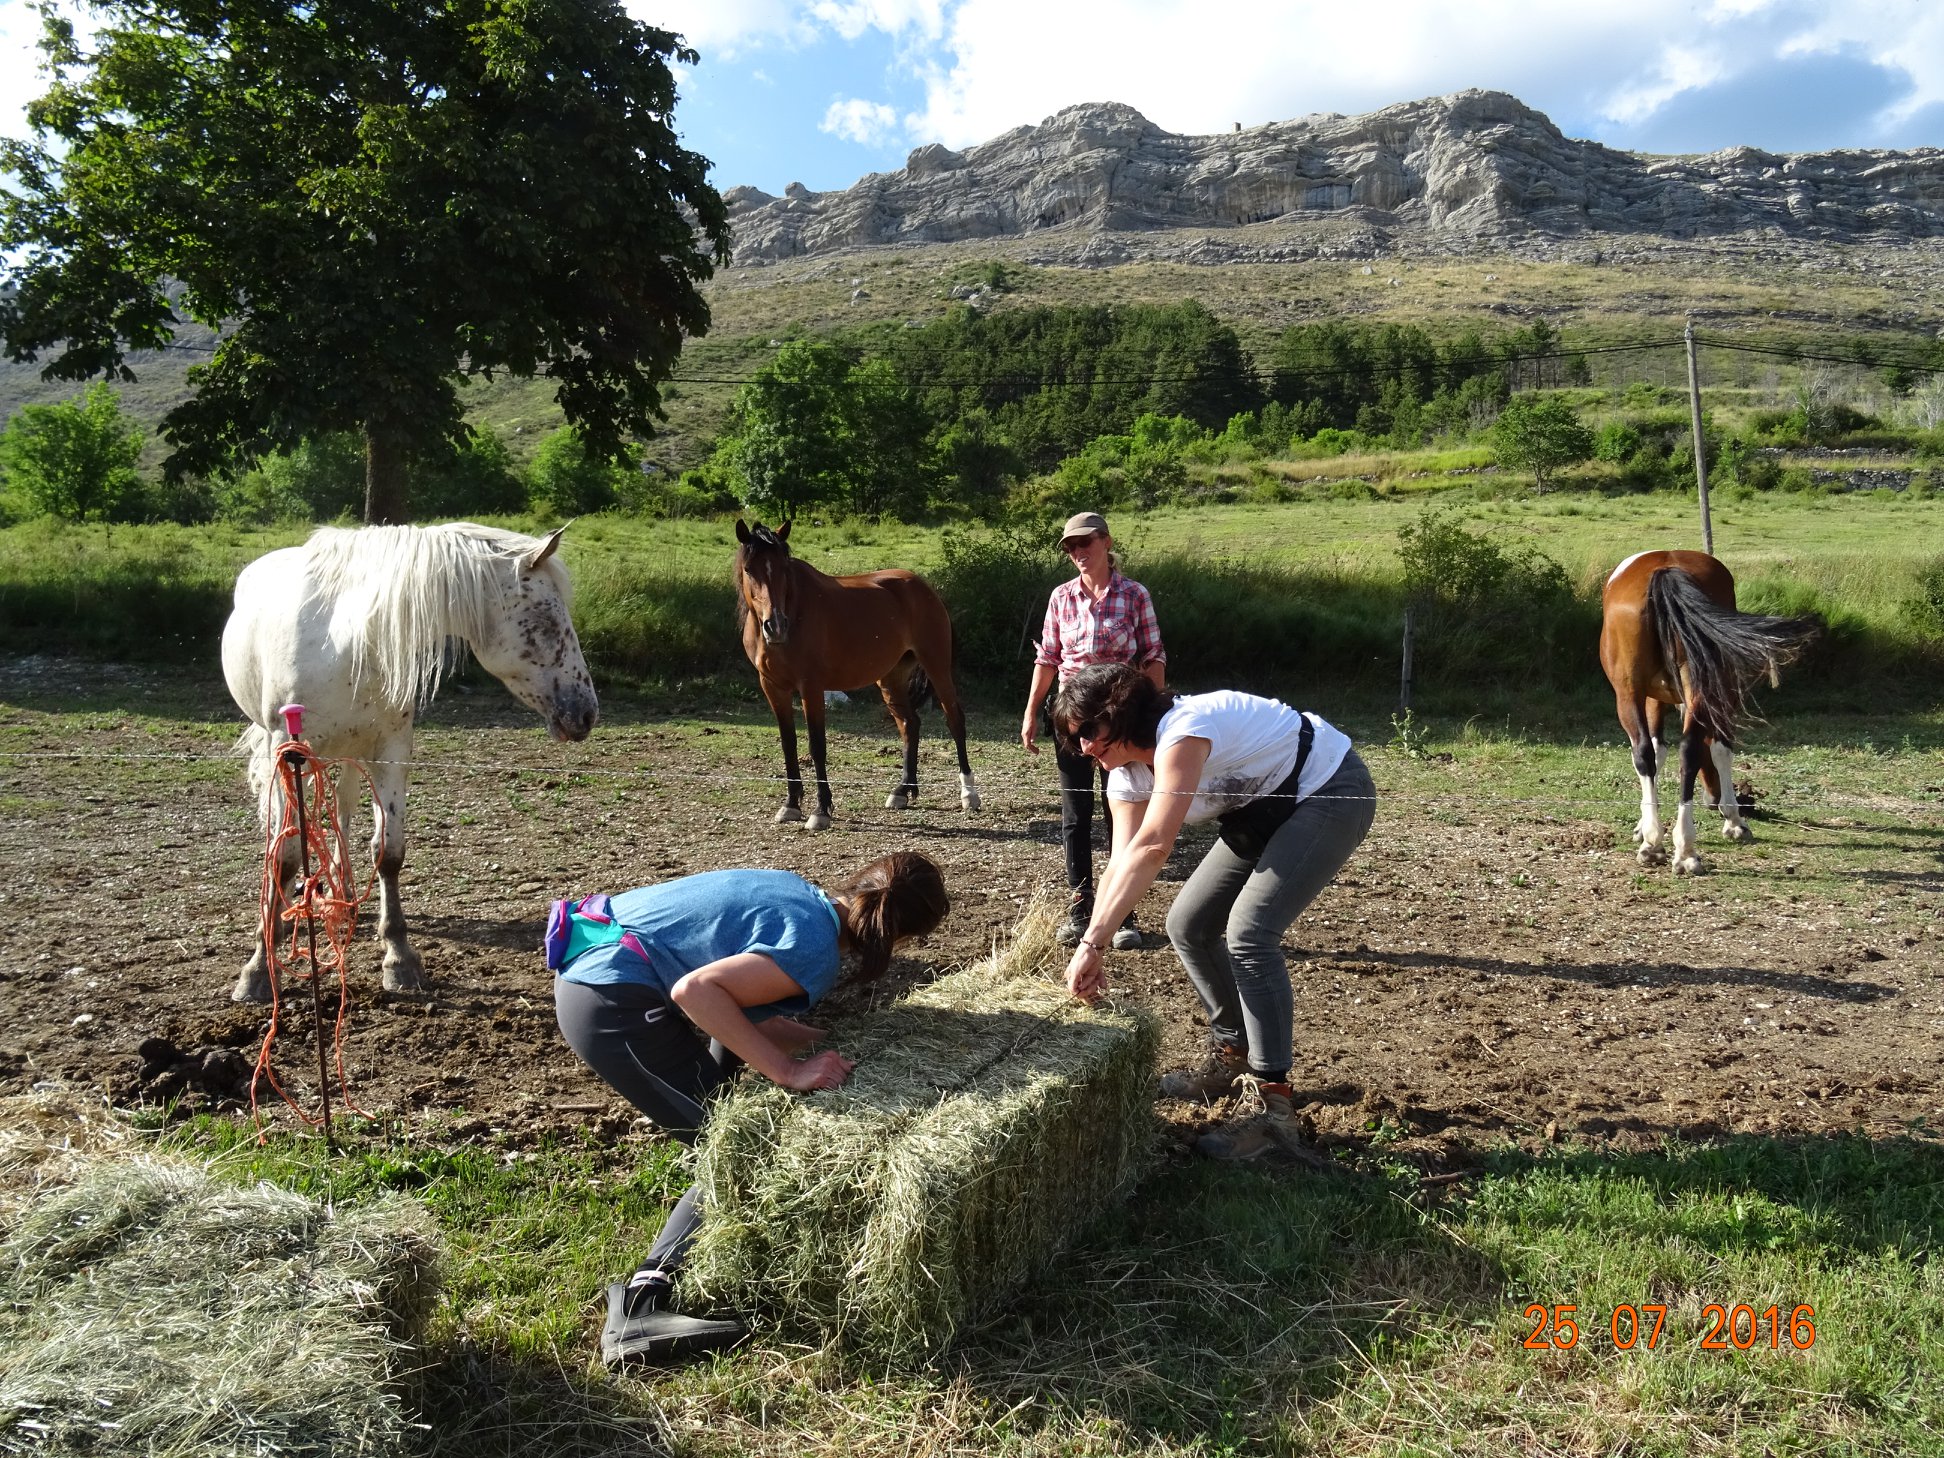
<point>252,986</point>
<point>819,821</point>
<point>1735,830</point>
<point>1690,865</point>
<point>403,972</point>
<point>788,815</point>
<point>898,800</point>
<point>1651,855</point>
<point>969,800</point>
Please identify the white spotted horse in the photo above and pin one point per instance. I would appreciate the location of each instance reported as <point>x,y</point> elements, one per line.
<point>360,626</point>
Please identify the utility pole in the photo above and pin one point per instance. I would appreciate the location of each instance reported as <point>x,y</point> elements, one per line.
<point>1700,450</point>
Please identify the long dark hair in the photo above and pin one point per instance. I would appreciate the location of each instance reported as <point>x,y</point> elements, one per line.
<point>1109,701</point>
<point>896,896</point>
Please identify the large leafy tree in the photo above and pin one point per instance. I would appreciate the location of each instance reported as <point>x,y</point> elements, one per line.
<point>368,200</point>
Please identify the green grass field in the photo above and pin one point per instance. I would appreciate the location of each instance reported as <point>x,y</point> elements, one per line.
<point>1562,1302</point>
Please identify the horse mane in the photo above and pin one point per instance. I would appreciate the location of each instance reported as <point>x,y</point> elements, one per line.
<point>408,601</point>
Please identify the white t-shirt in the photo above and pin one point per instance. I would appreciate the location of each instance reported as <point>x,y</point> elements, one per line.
<point>1252,748</point>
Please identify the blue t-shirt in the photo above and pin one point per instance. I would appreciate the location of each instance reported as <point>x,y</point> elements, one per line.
<point>696,920</point>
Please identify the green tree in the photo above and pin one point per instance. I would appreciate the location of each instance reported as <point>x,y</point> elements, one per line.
<point>367,199</point>
<point>816,426</point>
<point>567,478</point>
<point>1540,434</point>
<point>76,460</point>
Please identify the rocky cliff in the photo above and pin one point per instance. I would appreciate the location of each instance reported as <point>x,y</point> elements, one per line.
<point>1479,168</point>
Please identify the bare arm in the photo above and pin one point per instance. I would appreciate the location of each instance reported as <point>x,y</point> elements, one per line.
<point>789,1034</point>
<point>1144,835</point>
<point>714,996</point>
<point>1035,696</point>
<point>1157,671</point>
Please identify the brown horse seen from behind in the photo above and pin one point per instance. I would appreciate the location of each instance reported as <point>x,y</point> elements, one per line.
<point>1670,634</point>
<point>807,632</point>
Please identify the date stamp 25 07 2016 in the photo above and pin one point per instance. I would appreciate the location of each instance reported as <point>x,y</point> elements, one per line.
<point>1731,1328</point>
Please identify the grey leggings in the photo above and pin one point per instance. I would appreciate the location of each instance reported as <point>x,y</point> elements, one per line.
<point>1227,923</point>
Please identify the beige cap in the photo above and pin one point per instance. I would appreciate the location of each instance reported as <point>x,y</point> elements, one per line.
<point>1081,524</point>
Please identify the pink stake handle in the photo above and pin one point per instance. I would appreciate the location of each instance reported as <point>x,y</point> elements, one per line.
<point>293,717</point>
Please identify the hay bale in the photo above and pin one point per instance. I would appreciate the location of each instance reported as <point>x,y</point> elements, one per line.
<point>991,1117</point>
<point>148,1306</point>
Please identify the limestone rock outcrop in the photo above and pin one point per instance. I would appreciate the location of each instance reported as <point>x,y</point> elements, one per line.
<point>1477,167</point>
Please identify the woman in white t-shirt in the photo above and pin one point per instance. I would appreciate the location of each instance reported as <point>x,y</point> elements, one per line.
<point>1292,799</point>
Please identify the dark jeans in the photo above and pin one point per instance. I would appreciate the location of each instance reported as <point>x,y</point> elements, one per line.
<point>654,1058</point>
<point>1077,775</point>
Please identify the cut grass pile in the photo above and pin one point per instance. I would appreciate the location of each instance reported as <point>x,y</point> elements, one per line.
<point>990,1119</point>
<point>149,1306</point>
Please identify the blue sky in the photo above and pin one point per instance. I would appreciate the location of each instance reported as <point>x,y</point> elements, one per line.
<point>825,91</point>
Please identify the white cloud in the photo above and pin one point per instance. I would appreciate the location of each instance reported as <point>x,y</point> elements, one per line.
<point>989,65</point>
<point>870,123</point>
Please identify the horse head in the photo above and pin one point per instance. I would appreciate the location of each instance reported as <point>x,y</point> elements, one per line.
<point>766,586</point>
<point>530,645</point>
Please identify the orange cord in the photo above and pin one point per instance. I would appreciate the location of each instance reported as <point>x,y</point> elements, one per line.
<point>324,909</point>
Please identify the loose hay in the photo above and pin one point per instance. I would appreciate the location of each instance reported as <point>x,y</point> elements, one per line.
<point>991,1117</point>
<point>147,1306</point>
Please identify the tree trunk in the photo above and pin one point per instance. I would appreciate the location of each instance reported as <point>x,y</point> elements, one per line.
<point>384,478</point>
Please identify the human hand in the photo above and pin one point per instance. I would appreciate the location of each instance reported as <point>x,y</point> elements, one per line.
<point>1086,975</point>
<point>1028,732</point>
<point>823,1070</point>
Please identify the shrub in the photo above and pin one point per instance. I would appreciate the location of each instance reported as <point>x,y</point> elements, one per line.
<point>76,460</point>
<point>476,480</point>
<point>1485,609</point>
<point>1618,441</point>
<point>1925,606</point>
<point>566,480</point>
<point>322,479</point>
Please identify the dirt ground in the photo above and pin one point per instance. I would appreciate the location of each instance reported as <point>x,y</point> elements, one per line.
<point>1469,979</point>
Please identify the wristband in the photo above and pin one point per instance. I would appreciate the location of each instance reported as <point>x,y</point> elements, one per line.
<point>1095,945</point>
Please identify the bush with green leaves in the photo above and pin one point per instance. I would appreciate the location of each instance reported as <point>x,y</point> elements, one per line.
<point>567,479</point>
<point>1925,606</point>
<point>1542,434</point>
<point>76,460</point>
<point>478,479</point>
<point>1485,608</point>
<point>322,479</point>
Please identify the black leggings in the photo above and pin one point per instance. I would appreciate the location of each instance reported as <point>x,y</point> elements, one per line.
<point>654,1058</point>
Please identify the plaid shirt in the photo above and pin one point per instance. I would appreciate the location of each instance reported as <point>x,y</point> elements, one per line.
<point>1120,628</point>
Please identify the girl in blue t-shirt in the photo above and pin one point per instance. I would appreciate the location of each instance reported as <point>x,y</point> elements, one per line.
<point>667,990</point>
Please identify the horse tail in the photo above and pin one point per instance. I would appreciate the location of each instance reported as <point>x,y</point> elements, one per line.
<point>1715,654</point>
<point>922,691</point>
<point>919,685</point>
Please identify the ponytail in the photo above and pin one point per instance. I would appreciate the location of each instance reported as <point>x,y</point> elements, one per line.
<point>896,896</point>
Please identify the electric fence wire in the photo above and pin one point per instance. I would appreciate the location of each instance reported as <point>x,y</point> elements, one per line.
<point>1036,794</point>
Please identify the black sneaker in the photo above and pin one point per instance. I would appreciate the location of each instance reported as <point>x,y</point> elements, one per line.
<point>1128,938</point>
<point>653,1334</point>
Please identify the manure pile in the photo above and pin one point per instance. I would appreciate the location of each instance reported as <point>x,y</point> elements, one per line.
<point>147,1306</point>
<point>990,1118</point>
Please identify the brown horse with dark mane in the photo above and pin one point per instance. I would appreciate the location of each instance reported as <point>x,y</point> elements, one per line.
<point>807,631</point>
<point>1669,634</point>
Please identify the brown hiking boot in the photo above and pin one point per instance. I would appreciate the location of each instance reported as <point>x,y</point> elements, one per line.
<point>1213,1078</point>
<point>1272,1134</point>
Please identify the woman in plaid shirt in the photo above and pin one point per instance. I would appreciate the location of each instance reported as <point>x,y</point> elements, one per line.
<point>1099,617</point>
